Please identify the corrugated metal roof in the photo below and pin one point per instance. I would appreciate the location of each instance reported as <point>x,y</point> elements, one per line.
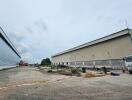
<point>108,37</point>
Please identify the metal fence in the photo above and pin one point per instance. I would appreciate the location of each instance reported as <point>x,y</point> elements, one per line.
<point>111,63</point>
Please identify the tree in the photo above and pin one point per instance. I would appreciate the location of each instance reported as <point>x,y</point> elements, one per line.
<point>45,62</point>
<point>48,61</point>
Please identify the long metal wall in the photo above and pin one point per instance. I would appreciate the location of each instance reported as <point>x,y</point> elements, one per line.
<point>7,56</point>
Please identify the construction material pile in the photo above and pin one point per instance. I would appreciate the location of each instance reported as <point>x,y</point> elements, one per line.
<point>90,74</point>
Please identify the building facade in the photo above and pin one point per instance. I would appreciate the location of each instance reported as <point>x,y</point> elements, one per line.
<point>9,56</point>
<point>106,51</point>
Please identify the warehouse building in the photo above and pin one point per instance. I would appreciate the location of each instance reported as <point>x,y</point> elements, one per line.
<point>106,51</point>
<point>9,56</point>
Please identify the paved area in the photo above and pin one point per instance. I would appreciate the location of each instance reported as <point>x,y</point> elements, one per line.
<point>32,84</point>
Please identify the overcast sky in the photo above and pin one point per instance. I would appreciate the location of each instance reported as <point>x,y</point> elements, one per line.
<point>41,28</point>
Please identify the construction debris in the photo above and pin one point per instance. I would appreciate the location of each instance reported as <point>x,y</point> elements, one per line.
<point>92,74</point>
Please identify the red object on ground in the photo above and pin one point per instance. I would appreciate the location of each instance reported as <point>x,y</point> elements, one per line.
<point>22,63</point>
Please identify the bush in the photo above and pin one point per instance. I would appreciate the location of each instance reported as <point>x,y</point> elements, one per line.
<point>74,71</point>
<point>49,71</point>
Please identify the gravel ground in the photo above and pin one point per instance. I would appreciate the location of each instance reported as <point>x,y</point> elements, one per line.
<point>31,84</point>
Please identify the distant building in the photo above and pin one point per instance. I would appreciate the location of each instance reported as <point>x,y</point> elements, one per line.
<point>9,56</point>
<point>105,51</point>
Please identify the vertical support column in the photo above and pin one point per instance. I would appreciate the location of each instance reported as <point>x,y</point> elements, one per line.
<point>110,63</point>
<point>75,64</point>
<point>130,32</point>
<point>83,63</point>
<point>94,63</point>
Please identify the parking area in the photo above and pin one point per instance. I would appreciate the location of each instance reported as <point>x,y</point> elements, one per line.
<point>32,84</point>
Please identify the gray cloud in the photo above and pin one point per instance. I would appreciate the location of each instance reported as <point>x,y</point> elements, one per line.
<point>16,37</point>
<point>29,30</point>
<point>41,24</point>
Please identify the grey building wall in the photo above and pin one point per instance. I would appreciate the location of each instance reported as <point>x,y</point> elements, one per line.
<point>8,55</point>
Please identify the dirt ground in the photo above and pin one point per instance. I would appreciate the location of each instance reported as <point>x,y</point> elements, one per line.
<point>32,84</point>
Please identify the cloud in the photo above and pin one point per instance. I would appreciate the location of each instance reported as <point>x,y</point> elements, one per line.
<point>29,30</point>
<point>16,36</point>
<point>41,24</point>
<point>27,56</point>
<point>23,48</point>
